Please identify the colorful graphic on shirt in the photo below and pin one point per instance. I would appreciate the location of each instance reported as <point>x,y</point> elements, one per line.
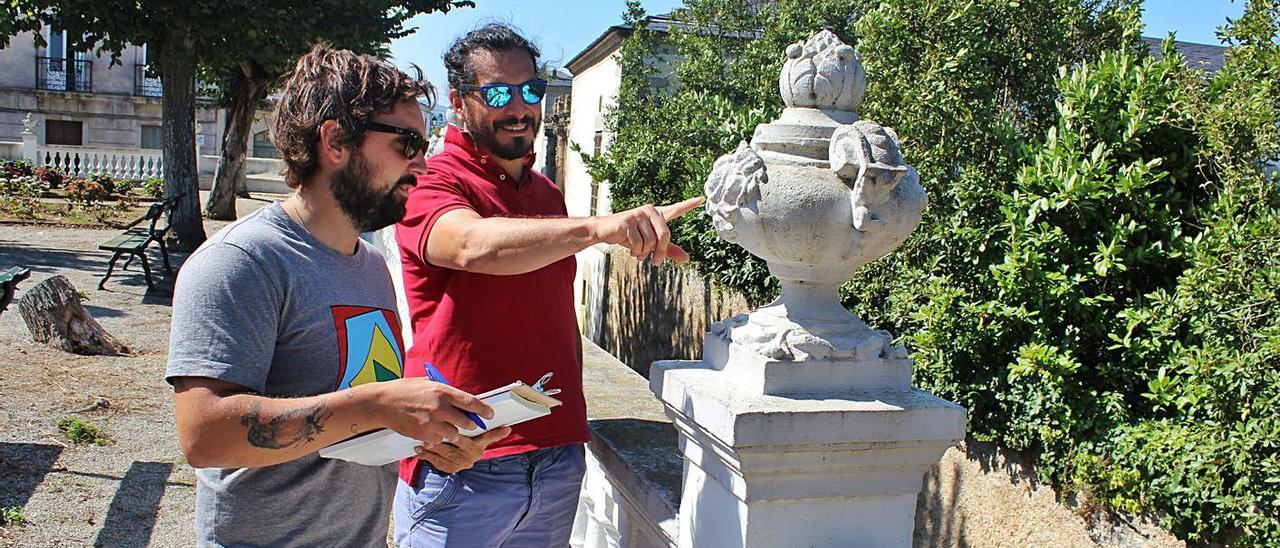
<point>369,345</point>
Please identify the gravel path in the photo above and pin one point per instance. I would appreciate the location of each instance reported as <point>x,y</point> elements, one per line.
<point>137,490</point>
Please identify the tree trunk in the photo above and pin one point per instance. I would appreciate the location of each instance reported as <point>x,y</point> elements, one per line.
<point>248,88</point>
<point>54,316</point>
<point>242,188</point>
<point>178,79</point>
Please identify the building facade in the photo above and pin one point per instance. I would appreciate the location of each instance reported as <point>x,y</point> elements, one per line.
<point>80,100</point>
<point>88,113</point>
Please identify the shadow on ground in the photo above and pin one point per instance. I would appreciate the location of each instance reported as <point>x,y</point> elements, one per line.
<point>132,515</point>
<point>42,259</point>
<point>23,467</point>
<point>45,260</point>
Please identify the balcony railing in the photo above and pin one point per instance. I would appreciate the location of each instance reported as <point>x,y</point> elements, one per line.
<point>146,82</point>
<point>59,74</point>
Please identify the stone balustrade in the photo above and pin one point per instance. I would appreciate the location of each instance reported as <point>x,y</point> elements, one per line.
<point>83,161</point>
<point>631,493</point>
<point>121,163</point>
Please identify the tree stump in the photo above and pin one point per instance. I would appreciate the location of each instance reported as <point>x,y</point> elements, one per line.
<point>55,317</point>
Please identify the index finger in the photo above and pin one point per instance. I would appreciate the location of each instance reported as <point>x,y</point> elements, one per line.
<point>671,211</point>
<point>467,402</point>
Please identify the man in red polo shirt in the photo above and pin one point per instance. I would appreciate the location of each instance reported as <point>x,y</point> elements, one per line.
<point>487,253</point>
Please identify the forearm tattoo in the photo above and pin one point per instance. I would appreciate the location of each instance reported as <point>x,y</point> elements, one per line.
<point>288,429</point>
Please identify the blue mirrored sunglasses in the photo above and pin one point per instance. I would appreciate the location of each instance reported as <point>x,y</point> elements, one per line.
<point>498,95</point>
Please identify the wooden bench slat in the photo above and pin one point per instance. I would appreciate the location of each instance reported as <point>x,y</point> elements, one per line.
<point>127,245</point>
<point>125,241</point>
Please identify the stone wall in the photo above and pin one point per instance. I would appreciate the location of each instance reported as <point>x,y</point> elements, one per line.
<point>110,121</point>
<point>649,313</point>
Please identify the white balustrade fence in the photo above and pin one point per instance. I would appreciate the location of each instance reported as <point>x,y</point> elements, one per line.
<point>121,163</point>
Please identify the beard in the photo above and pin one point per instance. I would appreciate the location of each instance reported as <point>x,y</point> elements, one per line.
<point>369,209</point>
<point>517,148</point>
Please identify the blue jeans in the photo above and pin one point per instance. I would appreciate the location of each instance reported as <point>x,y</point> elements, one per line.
<point>517,501</point>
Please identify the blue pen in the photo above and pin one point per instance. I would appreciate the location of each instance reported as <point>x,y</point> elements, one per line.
<point>435,375</point>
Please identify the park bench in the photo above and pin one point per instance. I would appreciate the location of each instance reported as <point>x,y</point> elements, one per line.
<point>136,237</point>
<point>9,284</point>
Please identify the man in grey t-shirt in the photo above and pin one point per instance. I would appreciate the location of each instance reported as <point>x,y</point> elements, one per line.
<point>285,336</point>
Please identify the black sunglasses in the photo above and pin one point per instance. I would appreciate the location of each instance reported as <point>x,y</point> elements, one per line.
<point>498,95</point>
<point>414,142</point>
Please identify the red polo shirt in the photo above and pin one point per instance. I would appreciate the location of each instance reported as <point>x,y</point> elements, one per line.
<point>484,331</point>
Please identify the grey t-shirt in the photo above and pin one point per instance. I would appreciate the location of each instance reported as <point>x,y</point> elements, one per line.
<point>265,305</point>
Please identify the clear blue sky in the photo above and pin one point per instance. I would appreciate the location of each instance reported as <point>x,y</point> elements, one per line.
<point>1192,20</point>
<point>563,29</point>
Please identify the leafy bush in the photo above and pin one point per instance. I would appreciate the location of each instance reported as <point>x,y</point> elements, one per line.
<point>107,182</point>
<point>1097,278</point>
<point>79,431</point>
<point>17,168</point>
<point>51,176</point>
<point>124,186</point>
<point>20,195</point>
<point>153,186</point>
<point>24,186</point>
<point>1122,321</point>
<point>85,192</point>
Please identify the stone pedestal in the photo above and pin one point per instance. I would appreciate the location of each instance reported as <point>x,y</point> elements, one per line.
<point>841,468</point>
<point>800,427</point>
<point>29,139</point>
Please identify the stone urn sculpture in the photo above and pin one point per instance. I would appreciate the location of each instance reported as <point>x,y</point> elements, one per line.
<point>799,426</point>
<point>817,194</point>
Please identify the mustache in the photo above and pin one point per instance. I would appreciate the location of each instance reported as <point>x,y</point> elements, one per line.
<point>410,180</point>
<point>526,119</point>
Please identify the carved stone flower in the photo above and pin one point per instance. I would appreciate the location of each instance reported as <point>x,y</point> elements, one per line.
<point>822,73</point>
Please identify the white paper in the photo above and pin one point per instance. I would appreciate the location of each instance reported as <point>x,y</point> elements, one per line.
<point>386,446</point>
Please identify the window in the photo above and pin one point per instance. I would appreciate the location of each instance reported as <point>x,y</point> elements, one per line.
<point>63,132</point>
<point>58,46</point>
<point>61,68</point>
<point>151,137</point>
<point>57,43</point>
<point>262,147</point>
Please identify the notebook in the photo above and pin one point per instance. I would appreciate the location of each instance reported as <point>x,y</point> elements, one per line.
<point>512,404</point>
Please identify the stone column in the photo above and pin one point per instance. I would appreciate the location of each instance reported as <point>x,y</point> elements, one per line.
<point>800,427</point>
<point>29,139</point>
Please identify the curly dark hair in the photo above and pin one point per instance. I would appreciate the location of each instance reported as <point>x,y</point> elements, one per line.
<point>492,37</point>
<point>336,84</point>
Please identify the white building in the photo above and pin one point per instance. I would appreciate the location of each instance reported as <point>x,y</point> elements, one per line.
<point>88,114</point>
<point>80,103</point>
<point>597,77</point>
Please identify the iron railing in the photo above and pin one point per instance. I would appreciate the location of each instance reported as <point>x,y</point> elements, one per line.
<point>57,74</point>
<point>146,82</point>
